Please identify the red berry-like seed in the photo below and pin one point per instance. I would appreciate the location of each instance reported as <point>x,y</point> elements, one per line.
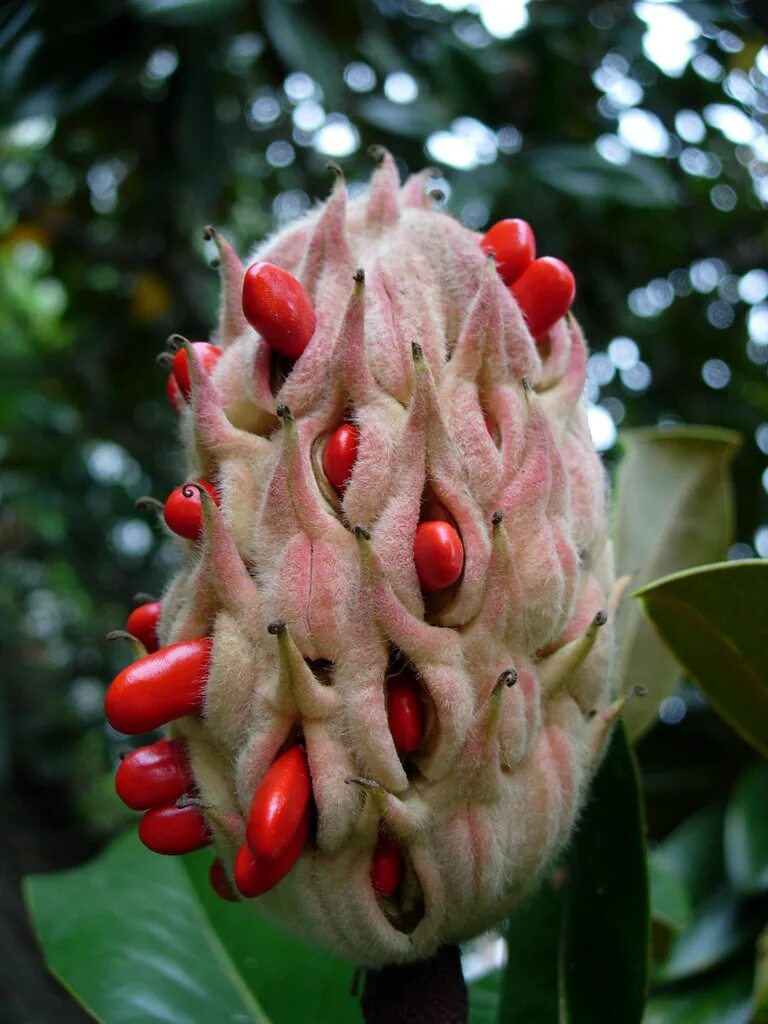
<point>404,713</point>
<point>220,882</point>
<point>275,304</point>
<point>208,355</point>
<point>173,392</point>
<point>256,875</point>
<point>143,622</point>
<point>513,244</point>
<point>386,865</point>
<point>279,803</point>
<point>174,830</point>
<point>339,455</point>
<point>159,688</point>
<point>438,554</point>
<point>183,511</point>
<point>154,775</point>
<point>544,293</point>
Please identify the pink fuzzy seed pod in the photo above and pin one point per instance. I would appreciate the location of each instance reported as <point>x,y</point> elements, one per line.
<point>386,652</point>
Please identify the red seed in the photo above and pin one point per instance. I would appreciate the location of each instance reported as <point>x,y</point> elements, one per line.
<point>405,713</point>
<point>256,875</point>
<point>183,510</point>
<point>275,304</point>
<point>160,687</point>
<point>173,830</point>
<point>438,554</point>
<point>154,775</point>
<point>208,355</point>
<point>513,244</point>
<point>279,804</point>
<point>173,392</point>
<point>544,293</point>
<point>386,865</point>
<point>143,622</point>
<point>220,882</point>
<point>339,455</point>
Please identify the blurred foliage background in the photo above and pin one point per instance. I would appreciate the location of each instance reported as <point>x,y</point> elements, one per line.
<point>631,136</point>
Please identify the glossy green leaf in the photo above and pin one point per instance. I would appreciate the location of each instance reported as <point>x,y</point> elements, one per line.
<point>607,909</point>
<point>530,988</point>
<point>720,928</point>
<point>714,621</point>
<point>693,853</point>
<point>720,923</point>
<point>674,510</point>
<point>720,999</point>
<point>581,171</point>
<point>484,995</point>
<point>746,832</point>
<point>292,981</point>
<point>670,899</point>
<point>562,939</point>
<point>128,936</point>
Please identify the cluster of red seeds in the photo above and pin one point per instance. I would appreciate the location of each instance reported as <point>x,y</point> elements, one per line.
<point>169,682</point>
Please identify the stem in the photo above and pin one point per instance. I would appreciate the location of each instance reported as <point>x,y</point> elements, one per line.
<point>428,992</point>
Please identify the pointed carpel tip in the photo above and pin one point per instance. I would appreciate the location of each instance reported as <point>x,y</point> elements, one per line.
<point>191,486</point>
<point>497,518</point>
<point>215,263</point>
<point>361,532</point>
<point>284,413</point>
<point>334,168</point>
<point>378,152</point>
<point>358,780</point>
<point>209,232</point>
<point>418,353</point>
<point>175,341</point>
<point>507,679</point>
<point>142,598</point>
<point>277,627</point>
<point>639,690</point>
<point>120,634</point>
<point>146,503</point>
<point>164,360</point>
<point>359,276</point>
<point>601,618</point>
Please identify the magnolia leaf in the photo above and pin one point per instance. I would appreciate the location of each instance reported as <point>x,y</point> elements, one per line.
<point>674,510</point>
<point>578,949</point>
<point>714,620</point>
<point>746,832</point>
<point>670,899</point>
<point>720,998</point>
<point>127,935</point>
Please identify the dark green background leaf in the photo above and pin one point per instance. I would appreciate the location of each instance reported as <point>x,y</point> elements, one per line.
<point>578,949</point>
<point>746,832</point>
<point>127,934</point>
<point>605,955</point>
<point>714,619</point>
